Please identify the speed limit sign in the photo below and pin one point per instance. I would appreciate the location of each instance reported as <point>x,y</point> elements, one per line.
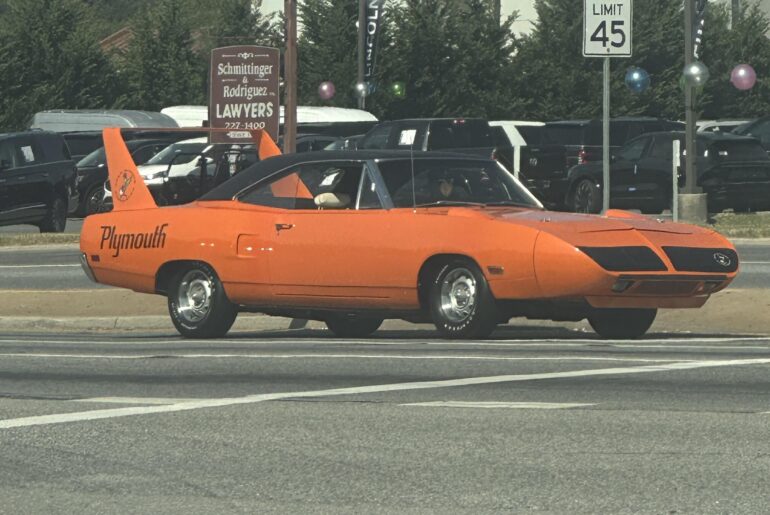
<point>607,28</point>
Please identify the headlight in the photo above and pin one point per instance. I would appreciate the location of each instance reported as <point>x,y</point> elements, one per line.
<point>156,175</point>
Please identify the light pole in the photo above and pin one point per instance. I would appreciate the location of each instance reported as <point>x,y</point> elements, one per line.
<point>290,78</point>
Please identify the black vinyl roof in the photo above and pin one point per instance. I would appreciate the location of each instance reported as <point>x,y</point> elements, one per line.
<point>242,180</point>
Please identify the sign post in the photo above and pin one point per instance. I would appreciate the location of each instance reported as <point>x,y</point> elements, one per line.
<point>243,92</point>
<point>607,32</point>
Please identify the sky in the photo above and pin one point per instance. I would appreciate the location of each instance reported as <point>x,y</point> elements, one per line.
<point>526,10</point>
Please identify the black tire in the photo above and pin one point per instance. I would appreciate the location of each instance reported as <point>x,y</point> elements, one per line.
<point>622,323</point>
<point>56,217</point>
<point>352,326</point>
<point>460,302</point>
<point>92,201</point>
<point>586,197</point>
<point>198,304</point>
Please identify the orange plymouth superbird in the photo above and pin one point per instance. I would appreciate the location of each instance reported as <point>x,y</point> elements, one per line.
<point>352,238</point>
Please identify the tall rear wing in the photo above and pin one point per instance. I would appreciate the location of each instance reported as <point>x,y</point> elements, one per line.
<point>129,192</point>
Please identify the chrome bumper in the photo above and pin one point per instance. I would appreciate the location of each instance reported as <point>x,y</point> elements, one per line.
<point>86,267</point>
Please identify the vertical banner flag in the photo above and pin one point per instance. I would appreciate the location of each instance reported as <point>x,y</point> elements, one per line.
<point>372,29</point>
<point>243,92</point>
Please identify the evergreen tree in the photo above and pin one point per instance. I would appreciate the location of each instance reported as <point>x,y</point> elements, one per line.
<point>723,49</point>
<point>239,22</point>
<point>328,50</point>
<point>161,67</point>
<point>454,59</point>
<point>50,59</point>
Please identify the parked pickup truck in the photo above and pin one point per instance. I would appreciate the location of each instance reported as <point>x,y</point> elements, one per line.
<point>463,135</point>
<point>567,143</point>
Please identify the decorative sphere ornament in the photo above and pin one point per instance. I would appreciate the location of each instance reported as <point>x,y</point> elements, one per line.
<point>743,77</point>
<point>398,89</point>
<point>637,79</point>
<point>362,89</point>
<point>326,90</point>
<point>695,74</point>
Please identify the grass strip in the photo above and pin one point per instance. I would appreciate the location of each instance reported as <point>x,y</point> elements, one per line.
<point>27,239</point>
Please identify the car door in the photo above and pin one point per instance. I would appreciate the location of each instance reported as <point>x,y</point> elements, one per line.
<point>7,163</point>
<point>654,174</point>
<point>624,171</point>
<point>27,182</point>
<point>330,249</point>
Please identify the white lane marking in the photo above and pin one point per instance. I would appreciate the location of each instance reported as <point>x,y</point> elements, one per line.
<point>134,400</point>
<point>498,405</point>
<point>106,289</point>
<point>360,390</point>
<point>508,343</point>
<point>329,356</point>
<point>38,266</point>
<point>755,262</point>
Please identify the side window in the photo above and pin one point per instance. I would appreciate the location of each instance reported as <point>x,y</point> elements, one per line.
<point>634,150</point>
<point>661,149</point>
<point>763,133</point>
<point>377,138</point>
<point>143,154</point>
<point>310,186</point>
<point>368,198</point>
<point>7,157</point>
<point>25,153</point>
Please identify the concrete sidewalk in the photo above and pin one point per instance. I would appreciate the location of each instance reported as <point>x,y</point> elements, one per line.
<point>729,312</point>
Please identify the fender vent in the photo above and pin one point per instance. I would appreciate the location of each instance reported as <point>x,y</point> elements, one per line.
<point>690,259</point>
<point>625,259</point>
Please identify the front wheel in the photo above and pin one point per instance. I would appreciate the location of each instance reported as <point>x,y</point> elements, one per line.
<point>586,197</point>
<point>198,304</point>
<point>622,323</point>
<point>92,201</point>
<point>352,326</point>
<point>460,302</point>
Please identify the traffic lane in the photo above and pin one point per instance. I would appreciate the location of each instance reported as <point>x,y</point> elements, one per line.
<point>550,372</point>
<point>342,456</point>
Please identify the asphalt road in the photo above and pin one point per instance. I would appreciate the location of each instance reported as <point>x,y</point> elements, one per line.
<point>58,268</point>
<point>300,422</point>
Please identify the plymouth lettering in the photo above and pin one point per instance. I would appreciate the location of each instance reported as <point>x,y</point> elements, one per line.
<point>115,241</point>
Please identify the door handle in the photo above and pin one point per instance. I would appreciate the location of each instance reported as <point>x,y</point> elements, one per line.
<point>282,227</point>
<point>635,169</point>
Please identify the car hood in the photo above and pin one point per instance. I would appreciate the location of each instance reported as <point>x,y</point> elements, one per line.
<point>552,221</point>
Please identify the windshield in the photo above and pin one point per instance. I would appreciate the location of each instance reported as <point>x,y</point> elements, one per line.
<point>95,158</point>
<point>453,181</point>
<point>186,152</point>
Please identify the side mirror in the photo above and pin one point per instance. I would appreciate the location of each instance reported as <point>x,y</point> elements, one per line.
<point>4,164</point>
<point>613,158</point>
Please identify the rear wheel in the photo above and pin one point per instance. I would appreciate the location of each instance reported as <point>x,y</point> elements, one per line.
<point>92,201</point>
<point>198,305</point>
<point>352,326</point>
<point>586,197</point>
<point>56,217</point>
<point>461,304</point>
<point>622,323</point>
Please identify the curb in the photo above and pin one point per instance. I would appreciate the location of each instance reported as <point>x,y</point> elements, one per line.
<point>127,323</point>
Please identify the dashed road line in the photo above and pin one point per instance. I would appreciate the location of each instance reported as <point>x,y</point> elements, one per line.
<point>499,405</point>
<point>361,390</point>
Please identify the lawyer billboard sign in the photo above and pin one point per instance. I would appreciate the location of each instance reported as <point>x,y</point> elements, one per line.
<point>243,92</point>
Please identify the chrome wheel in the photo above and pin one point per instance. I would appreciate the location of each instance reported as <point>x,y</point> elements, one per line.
<point>458,294</point>
<point>194,296</point>
<point>584,194</point>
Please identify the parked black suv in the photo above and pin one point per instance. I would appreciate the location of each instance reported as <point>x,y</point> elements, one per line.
<point>567,143</point>
<point>37,180</point>
<point>734,172</point>
<point>463,135</point>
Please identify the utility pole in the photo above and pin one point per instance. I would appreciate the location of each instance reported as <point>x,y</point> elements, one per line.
<point>496,10</point>
<point>692,202</point>
<point>735,13</point>
<point>290,78</point>
<point>689,113</point>
<point>361,44</point>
